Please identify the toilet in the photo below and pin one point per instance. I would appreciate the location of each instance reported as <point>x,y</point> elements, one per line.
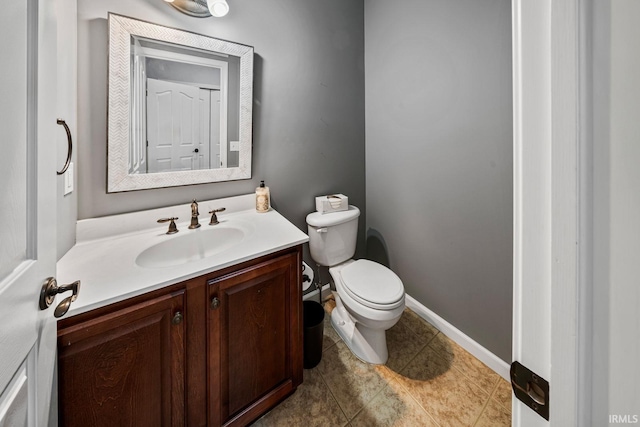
<point>369,296</point>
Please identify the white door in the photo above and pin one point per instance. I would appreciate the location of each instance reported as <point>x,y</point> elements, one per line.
<point>547,193</point>
<point>218,131</point>
<point>210,129</point>
<point>206,130</point>
<point>173,129</point>
<point>28,213</point>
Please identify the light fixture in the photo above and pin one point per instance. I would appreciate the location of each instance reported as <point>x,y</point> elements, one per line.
<point>201,8</point>
<point>218,8</point>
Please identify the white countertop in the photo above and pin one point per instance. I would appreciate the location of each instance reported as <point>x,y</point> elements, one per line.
<point>104,257</point>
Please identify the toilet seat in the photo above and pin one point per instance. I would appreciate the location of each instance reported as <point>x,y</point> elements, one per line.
<point>372,285</point>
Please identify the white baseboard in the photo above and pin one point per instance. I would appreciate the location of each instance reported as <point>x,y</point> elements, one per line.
<point>485,356</point>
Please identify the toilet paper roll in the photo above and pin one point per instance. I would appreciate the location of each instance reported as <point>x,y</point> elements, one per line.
<point>307,276</point>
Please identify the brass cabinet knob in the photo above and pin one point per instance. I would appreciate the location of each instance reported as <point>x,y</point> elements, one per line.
<point>177,318</point>
<point>215,303</point>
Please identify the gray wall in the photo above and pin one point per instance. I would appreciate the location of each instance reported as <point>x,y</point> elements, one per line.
<point>67,100</point>
<point>308,110</point>
<point>439,157</point>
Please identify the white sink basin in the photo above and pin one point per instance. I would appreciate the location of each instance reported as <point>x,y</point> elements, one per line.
<point>194,245</point>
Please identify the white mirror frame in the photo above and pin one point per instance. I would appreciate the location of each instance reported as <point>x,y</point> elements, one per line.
<point>121,28</point>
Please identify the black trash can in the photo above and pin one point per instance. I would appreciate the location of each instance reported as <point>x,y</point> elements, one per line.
<point>313,314</point>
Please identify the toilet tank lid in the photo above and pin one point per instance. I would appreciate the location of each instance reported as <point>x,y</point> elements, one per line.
<point>316,219</point>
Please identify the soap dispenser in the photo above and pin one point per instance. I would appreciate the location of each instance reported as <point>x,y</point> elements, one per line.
<point>262,198</point>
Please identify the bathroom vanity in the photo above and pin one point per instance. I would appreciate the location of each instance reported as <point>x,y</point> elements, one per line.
<point>211,340</point>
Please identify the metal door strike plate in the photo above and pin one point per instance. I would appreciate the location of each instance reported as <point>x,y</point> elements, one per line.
<point>531,389</point>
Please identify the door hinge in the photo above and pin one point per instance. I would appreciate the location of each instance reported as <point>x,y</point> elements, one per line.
<point>531,389</point>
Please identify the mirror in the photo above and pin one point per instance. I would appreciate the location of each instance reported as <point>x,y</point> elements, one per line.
<point>180,107</point>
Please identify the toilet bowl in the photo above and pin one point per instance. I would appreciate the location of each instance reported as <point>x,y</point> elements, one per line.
<point>369,296</point>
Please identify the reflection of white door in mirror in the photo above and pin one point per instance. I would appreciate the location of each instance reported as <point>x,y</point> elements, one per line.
<point>215,131</point>
<point>203,161</point>
<point>183,127</point>
<point>210,129</point>
<point>178,96</point>
<point>173,126</point>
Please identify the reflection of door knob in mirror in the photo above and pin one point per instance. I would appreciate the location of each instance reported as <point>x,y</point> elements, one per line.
<point>196,151</point>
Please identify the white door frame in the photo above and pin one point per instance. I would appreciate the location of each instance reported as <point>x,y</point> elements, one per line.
<point>551,188</point>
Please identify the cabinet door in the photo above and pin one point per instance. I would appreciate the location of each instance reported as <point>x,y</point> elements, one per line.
<point>254,339</point>
<point>125,368</point>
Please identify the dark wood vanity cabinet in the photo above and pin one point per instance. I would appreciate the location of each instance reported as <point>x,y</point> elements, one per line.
<point>220,349</point>
<point>125,367</point>
<point>254,339</point>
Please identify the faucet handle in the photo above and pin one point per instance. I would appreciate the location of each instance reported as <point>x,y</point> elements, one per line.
<point>214,217</point>
<point>172,225</point>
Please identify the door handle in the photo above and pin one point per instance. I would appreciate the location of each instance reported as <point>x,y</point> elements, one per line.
<point>69,146</point>
<point>49,291</point>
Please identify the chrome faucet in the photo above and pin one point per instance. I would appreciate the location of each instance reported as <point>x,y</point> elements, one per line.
<point>194,215</point>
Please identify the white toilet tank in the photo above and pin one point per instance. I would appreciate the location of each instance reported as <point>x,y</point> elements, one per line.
<point>332,236</point>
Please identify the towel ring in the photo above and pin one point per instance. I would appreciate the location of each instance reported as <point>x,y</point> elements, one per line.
<point>70,146</point>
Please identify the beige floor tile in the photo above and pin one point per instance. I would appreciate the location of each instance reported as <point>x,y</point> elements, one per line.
<point>443,391</point>
<point>387,374</point>
<point>494,415</point>
<point>428,381</point>
<point>352,382</point>
<point>481,375</point>
<point>403,345</point>
<point>393,406</point>
<point>503,394</point>
<point>311,405</point>
<point>418,325</point>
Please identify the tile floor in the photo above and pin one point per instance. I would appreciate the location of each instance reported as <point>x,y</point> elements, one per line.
<point>428,381</point>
